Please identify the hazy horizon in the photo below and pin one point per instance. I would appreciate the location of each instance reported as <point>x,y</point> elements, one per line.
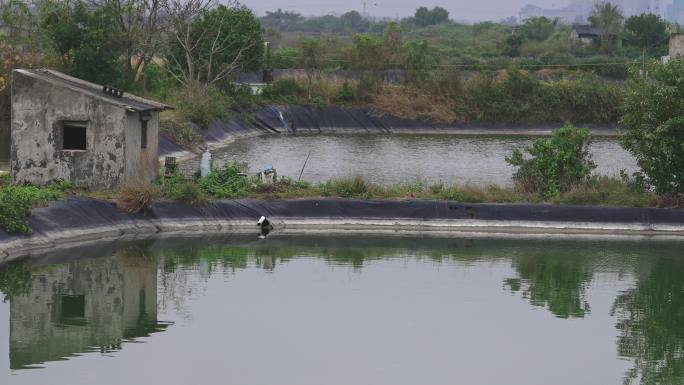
<point>458,9</point>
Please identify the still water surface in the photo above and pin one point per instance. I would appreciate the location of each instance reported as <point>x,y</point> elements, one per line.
<point>340,310</point>
<point>395,159</point>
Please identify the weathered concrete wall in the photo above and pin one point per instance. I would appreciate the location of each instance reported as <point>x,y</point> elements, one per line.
<point>113,152</point>
<point>141,163</point>
<point>676,45</point>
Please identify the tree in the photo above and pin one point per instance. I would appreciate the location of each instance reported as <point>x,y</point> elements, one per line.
<point>538,28</point>
<point>313,55</point>
<point>425,17</point>
<point>417,61</point>
<point>140,25</point>
<point>646,31</point>
<point>85,39</point>
<point>653,125</point>
<point>282,21</point>
<point>392,42</point>
<point>367,53</point>
<point>353,21</point>
<point>556,164</point>
<point>608,19</point>
<point>209,44</point>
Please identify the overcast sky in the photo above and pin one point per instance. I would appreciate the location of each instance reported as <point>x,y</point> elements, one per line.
<point>459,9</point>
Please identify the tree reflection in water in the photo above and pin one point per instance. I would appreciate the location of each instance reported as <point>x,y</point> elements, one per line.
<point>556,281</point>
<point>651,323</point>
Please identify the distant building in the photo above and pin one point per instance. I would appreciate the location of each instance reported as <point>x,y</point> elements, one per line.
<point>676,45</point>
<point>63,128</point>
<point>585,33</point>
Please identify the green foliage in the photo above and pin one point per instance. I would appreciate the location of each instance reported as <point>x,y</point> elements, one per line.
<point>346,94</point>
<point>202,105</point>
<point>653,125</point>
<point>520,97</point>
<point>181,189</point>
<point>417,61</point>
<point>425,17</point>
<point>556,164</point>
<point>85,39</point>
<point>15,280</point>
<point>350,188</point>
<point>285,57</point>
<point>225,39</point>
<point>228,181</point>
<point>608,19</point>
<point>538,28</point>
<point>16,203</point>
<point>646,31</point>
<point>367,53</point>
<point>284,90</point>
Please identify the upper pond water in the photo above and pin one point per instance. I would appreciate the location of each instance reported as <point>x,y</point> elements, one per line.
<point>394,159</point>
<point>340,310</point>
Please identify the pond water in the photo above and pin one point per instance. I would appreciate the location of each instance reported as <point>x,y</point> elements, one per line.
<point>395,159</point>
<point>340,310</point>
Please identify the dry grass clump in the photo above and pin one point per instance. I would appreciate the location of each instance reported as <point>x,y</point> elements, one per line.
<point>414,104</point>
<point>136,197</point>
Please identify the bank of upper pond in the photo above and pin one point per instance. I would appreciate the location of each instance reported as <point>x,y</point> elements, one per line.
<point>332,120</point>
<point>82,220</point>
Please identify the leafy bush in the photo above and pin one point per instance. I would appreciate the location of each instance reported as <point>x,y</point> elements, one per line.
<point>136,197</point>
<point>16,203</point>
<point>556,164</point>
<point>202,105</point>
<point>284,90</point>
<point>345,94</point>
<point>350,188</point>
<point>653,125</point>
<point>228,181</point>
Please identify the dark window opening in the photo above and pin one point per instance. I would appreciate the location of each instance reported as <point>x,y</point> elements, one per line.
<point>143,134</point>
<point>73,136</point>
<point>72,309</point>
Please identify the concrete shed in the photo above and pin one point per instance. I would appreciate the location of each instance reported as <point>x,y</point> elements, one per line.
<point>64,128</point>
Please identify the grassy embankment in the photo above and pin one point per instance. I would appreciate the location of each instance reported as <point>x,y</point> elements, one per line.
<point>447,97</point>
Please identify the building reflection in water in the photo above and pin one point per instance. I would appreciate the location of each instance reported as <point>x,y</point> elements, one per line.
<point>83,306</point>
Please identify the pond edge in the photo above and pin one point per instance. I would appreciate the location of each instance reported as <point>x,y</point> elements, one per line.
<point>79,221</point>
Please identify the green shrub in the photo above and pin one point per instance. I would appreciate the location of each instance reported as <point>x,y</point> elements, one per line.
<point>228,181</point>
<point>350,188</point>
<point>345,94</point>
<point>284,90</point>
<point>202,105</point>
<point>653,125</point>
<point>16,203</point>
<point>556,163</point>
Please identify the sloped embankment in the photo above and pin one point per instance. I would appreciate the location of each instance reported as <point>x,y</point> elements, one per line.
<point>83,220</point>
<point>341,120</point>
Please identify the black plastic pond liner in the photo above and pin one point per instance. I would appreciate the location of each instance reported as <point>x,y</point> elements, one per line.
<point>84,213</point>
<point>331,120</point>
